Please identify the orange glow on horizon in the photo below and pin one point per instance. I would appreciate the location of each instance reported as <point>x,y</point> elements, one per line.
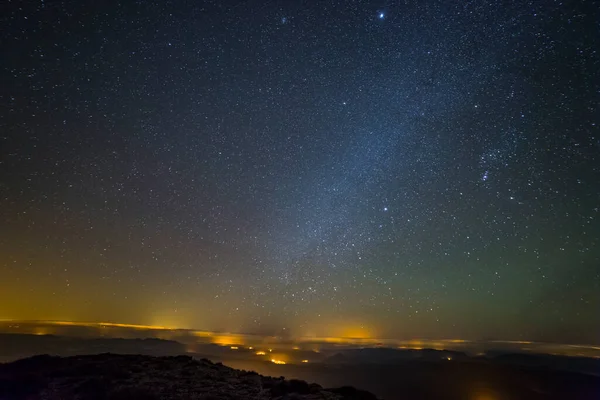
<point>226,340</point>
<point>354,335</point>
<point>101,325</point>
<point>41,331</point>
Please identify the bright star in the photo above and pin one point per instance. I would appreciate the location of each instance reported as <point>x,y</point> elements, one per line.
<point>381,15</point>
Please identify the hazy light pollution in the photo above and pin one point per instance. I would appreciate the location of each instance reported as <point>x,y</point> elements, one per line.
<point>343,168</point>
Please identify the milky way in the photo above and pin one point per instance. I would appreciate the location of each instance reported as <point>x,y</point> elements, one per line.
<point>412,169</point>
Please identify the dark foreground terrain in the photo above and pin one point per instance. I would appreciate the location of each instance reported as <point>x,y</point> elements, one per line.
<point>157,371</point>
<point>132,377</point>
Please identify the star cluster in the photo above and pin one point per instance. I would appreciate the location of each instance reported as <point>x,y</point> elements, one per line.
<point>431,169</point>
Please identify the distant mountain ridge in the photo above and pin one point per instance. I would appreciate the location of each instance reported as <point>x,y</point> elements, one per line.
<point>386,355</point>
<point>18,345</point>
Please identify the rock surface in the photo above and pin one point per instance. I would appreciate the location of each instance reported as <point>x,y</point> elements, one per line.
<point>133,377</point>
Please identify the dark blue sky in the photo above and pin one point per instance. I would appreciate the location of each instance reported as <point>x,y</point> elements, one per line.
<point>410,169</point>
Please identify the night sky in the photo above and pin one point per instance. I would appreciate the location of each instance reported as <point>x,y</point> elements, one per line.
<point>333,168</point>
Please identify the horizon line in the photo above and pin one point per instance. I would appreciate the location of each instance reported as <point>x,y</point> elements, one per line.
<point>297,338</point>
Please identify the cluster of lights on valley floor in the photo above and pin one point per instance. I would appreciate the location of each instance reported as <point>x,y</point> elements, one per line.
<point>273,349</point>
<point>264,353</point>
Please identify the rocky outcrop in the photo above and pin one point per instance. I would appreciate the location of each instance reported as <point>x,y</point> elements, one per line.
<point>136,377</point>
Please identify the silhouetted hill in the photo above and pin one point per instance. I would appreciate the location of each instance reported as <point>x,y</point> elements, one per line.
<point>392,356</point>
<point>136,377</point>
<point>337,358</point>
<point>16,346</point>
